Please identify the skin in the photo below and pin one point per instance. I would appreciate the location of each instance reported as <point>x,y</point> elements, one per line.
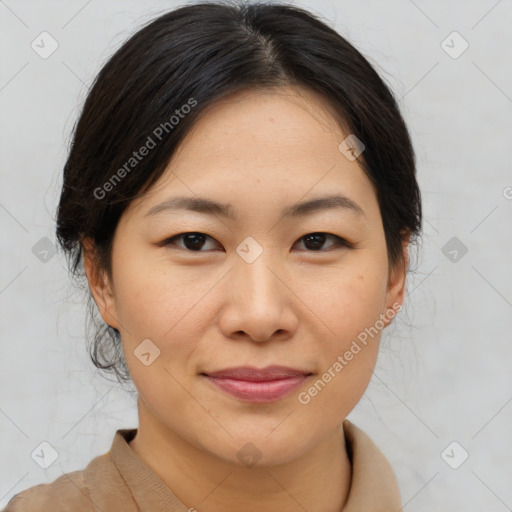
<point>210,309</point>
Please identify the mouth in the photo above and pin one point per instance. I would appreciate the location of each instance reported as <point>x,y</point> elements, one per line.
<point>258,385</point>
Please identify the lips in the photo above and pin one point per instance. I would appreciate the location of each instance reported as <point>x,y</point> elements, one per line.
<point>258,385</point>
<point>248,373</point>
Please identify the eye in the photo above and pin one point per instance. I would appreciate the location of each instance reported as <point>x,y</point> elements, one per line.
<point>315,241</point>
<point>194,241</point>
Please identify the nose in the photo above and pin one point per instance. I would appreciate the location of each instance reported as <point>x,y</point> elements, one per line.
<point>259,303</point>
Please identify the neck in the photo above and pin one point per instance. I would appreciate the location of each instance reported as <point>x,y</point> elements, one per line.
<point>317,480</point>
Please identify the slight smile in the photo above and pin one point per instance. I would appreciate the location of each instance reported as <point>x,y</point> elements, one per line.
<point>258,385</point>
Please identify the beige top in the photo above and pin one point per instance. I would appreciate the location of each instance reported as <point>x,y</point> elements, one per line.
<point>120,481</point>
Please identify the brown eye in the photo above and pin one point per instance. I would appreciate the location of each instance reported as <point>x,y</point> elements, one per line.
<point>315,241</point>
<point>193,242</point>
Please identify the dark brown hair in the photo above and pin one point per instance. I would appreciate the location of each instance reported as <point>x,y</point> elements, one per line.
<point>163,77</point>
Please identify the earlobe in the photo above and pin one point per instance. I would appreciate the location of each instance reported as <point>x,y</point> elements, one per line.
<point>99,284</point>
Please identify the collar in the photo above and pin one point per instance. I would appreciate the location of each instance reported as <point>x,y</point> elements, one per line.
<point>373,487</point>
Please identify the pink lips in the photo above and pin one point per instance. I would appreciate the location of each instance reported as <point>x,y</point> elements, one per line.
<point>258,385</point>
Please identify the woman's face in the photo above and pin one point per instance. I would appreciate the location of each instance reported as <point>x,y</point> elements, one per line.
<point>254,288</point>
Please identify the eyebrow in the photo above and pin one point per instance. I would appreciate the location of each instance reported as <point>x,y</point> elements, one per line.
<point>211,207</point>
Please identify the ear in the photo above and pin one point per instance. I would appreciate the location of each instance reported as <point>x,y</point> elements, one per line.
<point>396,283</point>
<point>99,284</point>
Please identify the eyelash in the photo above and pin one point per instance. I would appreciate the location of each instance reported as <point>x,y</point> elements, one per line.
<point>342,243</point>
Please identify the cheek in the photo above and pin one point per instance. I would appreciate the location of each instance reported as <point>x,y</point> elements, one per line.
<point>164,304</point>
<point>155,299</point>
<point>347,302</point>
<point>159,303</point>
<point>349,333</point>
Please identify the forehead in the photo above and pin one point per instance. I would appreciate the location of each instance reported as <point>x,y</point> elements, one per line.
<point>276,146</point>
<point>291,112</point>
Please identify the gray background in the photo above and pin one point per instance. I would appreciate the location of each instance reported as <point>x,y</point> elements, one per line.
<point>443,374</point>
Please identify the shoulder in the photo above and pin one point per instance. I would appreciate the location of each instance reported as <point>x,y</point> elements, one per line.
<point>68,492</point>
<point>87,490</point>
<point>100,486</point>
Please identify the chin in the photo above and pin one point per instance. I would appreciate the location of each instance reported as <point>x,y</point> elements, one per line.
<point>261,449</point>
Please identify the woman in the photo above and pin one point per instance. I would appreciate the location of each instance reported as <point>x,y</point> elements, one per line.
<point>240,196</point>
